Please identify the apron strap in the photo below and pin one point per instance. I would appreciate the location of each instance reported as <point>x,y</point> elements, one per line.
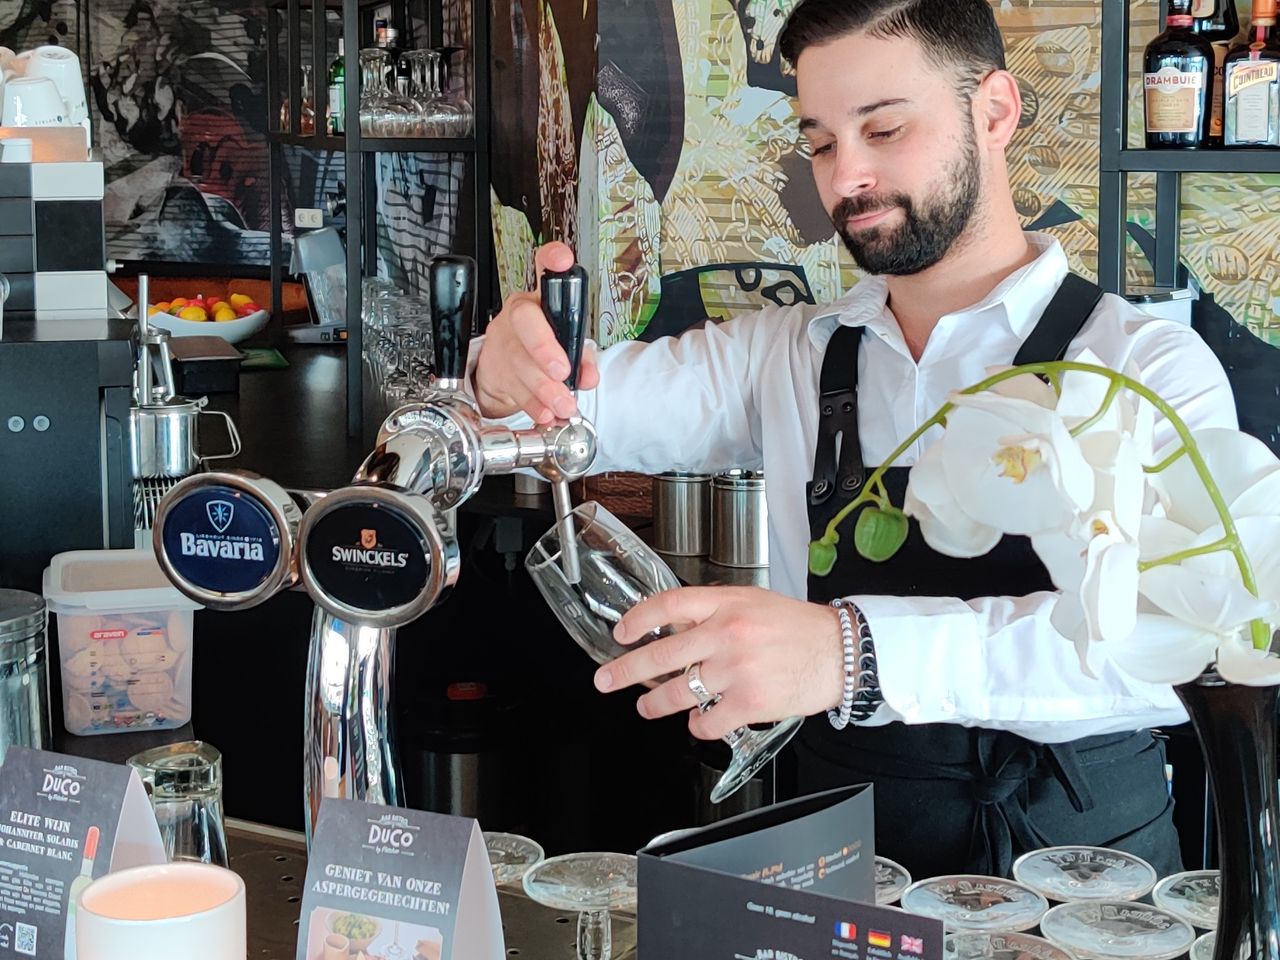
<point>1063,318</point>
<point>838,470</point>
<point>838,422</point>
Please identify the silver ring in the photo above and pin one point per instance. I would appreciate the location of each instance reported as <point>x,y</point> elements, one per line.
<point>693,678</point>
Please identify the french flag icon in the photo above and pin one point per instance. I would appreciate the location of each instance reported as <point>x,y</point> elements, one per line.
<point>847,931</point>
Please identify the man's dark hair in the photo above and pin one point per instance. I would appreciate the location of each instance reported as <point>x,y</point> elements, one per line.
<point>959,33</point>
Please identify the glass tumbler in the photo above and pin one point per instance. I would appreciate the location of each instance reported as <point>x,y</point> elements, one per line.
<point>184,782</point>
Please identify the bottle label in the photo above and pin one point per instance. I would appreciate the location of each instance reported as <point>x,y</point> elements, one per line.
<point>1220,51</point>
<point>1245,75</point>
<point>1173,100</point>
<point>335,108</point>
<point>1203,8</point>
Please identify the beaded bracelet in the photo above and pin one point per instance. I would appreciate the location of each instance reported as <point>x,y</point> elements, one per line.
<point>861,695</point>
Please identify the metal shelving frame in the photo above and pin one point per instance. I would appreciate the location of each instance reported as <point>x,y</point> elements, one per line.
<point>1117,161</point>
<point>360,153</point>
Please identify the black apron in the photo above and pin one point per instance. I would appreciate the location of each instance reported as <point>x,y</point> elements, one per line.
<point>948,798</point>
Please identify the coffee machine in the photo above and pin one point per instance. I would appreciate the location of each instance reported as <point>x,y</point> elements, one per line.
<point>379,553</point>
<point>65,484</point>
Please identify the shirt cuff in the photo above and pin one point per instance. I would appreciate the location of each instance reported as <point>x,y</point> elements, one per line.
<point>909,632</point>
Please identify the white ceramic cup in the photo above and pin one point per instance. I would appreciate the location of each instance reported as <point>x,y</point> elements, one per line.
<point>195,911</point>
<point>33,102</point>
<point>15,150</point>
<point>62,67</point>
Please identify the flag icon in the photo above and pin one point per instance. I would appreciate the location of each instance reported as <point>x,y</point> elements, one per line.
<point>878,938</point>
<point>847,931</point>
<point>911,944</point>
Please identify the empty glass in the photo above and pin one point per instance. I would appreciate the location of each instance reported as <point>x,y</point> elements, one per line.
<point>184,781</point>
<point>453,94</point>
<point>616,570</point>
<point>1117,930</point>
<point>891,879</point>
<point>383,112</point>
<point>1085,873</point>
<point>511,856</point>
<point>591,884</point>
<point>970,902</point>
<point>974,945</point>
<point>1192,895</point>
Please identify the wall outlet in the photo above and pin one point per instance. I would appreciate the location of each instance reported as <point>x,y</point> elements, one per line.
<point>308,218</point>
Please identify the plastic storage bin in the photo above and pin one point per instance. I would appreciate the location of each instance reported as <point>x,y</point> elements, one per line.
<point>124,642</point>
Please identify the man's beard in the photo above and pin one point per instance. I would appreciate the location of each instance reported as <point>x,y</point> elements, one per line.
<point>927,231</point>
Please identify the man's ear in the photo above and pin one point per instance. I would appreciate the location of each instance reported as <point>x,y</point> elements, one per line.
<point>998,107</point>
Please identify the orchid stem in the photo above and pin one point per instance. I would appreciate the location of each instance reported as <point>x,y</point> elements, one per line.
<point>1217,545</point>
<point>1167,462</point>
<point>1084,425</point>
<point>1053,370</point>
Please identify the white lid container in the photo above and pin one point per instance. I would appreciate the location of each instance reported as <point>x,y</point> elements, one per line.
<point>124,642</point>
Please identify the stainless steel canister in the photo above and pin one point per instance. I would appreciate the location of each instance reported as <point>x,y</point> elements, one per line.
<point>682,514</point>
<point>739,520</point>
<point>24,672</point>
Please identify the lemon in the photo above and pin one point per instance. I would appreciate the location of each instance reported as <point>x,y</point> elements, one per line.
<point>193,313</point>
<point>152,311</point>
<point>238,300</point>
<point>224,313</point>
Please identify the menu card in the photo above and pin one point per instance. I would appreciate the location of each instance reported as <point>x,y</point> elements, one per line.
<point>384,882</point>
<point>795,880</point>
<point>64,821</point>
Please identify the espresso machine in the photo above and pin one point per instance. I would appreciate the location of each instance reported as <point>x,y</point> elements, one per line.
<point>377,554</point>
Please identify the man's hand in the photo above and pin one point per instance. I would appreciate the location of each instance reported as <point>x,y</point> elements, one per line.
<point>521,366</point>
<point>770,657</point>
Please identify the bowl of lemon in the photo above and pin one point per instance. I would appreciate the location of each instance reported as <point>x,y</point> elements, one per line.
<point>234,319</point>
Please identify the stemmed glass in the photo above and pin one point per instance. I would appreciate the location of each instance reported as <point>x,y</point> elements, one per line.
<point>383,113</point>
<point>615,571</point>
<point>592,884</point>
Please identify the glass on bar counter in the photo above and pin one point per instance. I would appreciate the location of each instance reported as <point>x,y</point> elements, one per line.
<point>1117,930</point>
<point>1192,895</point>
<point>1202,949</point>
<point>975,945</point>
<point>1085,873</point>
<point>966,902</point>
<point>511,856</point>
<point>891,879</point>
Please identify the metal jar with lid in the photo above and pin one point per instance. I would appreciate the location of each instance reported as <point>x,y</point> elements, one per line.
<point>739,520</point>
<point>682,514</point>
<point>24,672</point>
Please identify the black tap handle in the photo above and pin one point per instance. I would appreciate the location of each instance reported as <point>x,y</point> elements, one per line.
<point>564,300</point>
<point>453,312</point>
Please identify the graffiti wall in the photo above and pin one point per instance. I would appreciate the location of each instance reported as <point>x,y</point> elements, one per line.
<point>694,186</point>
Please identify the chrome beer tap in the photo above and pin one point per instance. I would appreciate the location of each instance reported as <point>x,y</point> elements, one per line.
<point>379,553</point>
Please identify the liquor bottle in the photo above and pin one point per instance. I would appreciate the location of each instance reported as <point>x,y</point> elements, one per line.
<point>380,32</point>
<point>1177,80</point>
<point>1219,23</point>
<point>401,79</point>
<point>78,884</point>
<point>334,123</point>
<point>1251,108</point>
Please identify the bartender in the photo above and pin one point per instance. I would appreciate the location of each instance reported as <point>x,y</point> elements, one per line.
<point>971,714</point>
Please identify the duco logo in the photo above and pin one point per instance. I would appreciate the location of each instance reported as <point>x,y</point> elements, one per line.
<point>221,539</point>
<point>61,784</point>
<point>392,833</point>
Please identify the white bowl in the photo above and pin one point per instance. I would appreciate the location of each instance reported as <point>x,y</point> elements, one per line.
<point>232,331</point>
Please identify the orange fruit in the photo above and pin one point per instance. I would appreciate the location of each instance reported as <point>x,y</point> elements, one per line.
<point>178,302</point>
<point>161,307</point>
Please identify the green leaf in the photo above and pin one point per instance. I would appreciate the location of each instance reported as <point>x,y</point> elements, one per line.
<point>880,533</point>
<point>822,557</point>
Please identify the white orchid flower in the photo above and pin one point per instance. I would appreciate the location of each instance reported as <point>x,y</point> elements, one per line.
<point>1012,465</point>
<point>1244,468</point>
<point>943,523</point>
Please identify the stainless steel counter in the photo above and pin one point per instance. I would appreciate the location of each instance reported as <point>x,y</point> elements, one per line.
<point>273,864</point>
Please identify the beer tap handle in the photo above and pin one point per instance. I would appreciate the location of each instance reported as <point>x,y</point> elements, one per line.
<point>453,309</point>
<point>564,300</point>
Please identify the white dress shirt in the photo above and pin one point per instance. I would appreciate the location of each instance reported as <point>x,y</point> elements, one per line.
<point>744,393</point>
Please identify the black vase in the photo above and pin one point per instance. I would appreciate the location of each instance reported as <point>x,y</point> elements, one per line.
<point>1236,726</point>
